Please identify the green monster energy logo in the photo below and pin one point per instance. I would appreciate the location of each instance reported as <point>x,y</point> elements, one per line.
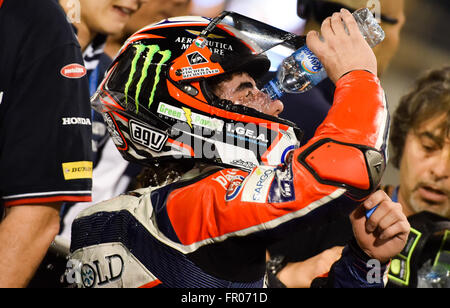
<point>152,50</point>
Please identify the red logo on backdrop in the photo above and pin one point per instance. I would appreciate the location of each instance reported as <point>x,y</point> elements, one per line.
<point>1,3</point>
<point>74,70</point>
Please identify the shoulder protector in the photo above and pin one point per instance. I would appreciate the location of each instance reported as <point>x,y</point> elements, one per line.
<point>354,167</point>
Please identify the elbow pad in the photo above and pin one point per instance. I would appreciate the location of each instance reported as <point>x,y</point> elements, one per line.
<point>355,167</point>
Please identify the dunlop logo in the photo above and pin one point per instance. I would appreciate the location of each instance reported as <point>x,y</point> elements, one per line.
<point>77,170</point>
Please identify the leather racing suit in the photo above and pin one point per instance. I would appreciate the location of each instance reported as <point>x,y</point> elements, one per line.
<point>211,228</point>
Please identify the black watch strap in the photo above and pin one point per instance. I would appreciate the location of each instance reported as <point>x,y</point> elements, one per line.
<point>273,267</point>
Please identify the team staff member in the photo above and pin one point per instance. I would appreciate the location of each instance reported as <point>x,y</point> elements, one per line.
<point>420,139</point>
<point>96,20</point>
<point>45,132</point>
<point>92,22</point>
<point>421,145</point>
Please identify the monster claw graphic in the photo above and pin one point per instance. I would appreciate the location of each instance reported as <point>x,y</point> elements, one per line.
<point>165,57</point>
<point>152,50</point>
<point>149,63</point>
<point>139,50</point>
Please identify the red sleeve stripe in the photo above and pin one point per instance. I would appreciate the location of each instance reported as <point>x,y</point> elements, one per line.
<point>151,284</point>
<point>43,200</point>
<point>48,194</point>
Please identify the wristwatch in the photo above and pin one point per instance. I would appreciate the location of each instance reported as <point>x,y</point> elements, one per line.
<point>273,267</point>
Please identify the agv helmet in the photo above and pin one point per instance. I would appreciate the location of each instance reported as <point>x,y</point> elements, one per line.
<point>157,104</point>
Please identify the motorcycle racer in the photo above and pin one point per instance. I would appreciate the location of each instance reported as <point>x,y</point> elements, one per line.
<point>182,95</point>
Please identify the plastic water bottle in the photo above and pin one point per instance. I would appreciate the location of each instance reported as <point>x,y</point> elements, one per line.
<point>302,70</point>
<point>433,276</point>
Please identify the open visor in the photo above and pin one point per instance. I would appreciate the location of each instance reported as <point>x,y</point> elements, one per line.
<point>265,36</point>
<point>257,37</point>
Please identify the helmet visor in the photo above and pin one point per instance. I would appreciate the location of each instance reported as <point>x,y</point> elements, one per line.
<point>262,35</point>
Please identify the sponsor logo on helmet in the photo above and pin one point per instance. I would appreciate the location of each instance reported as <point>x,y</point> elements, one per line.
<point>188,115</point>
<point>195,58</point>
<point>192,118</point>
<point>189,72</point>
<point>237,144</point>
<point>247,133</point>
<point>151,51</point>
<point>216,47</point>
<point>73,71</point>
<point>146,136</point>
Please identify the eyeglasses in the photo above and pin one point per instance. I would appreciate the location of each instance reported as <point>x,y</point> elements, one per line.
<point>320,10</point>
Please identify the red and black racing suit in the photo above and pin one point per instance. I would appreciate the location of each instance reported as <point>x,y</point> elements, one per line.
<point>212,229</point>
